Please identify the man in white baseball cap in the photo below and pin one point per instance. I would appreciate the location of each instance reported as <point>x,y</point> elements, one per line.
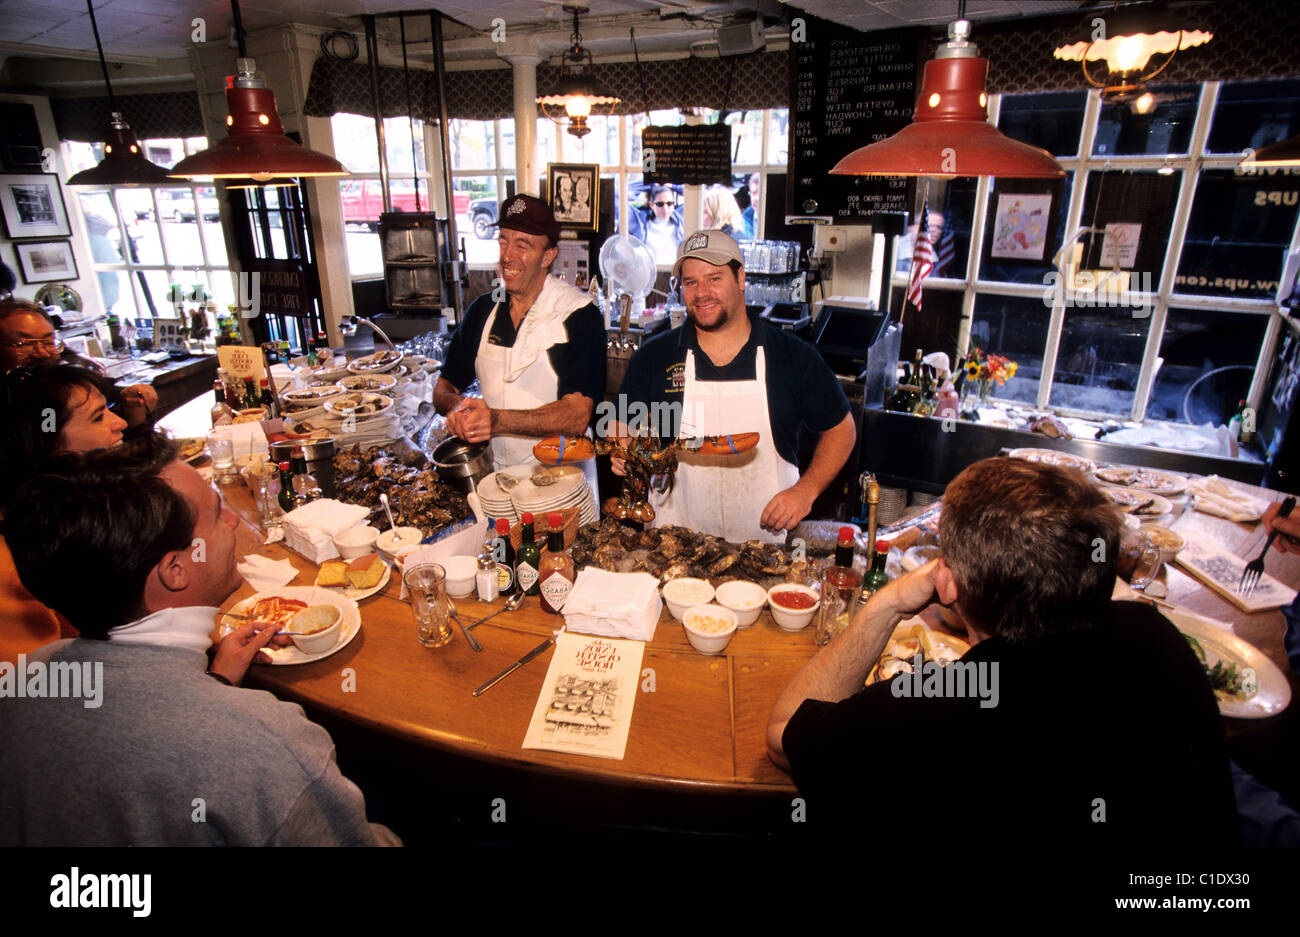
<point>730,372</point>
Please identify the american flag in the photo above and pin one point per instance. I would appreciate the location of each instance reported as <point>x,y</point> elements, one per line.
<point>923,258</point>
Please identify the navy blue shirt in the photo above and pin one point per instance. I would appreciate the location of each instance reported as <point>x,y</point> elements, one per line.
<point>803,394</point>
<point>579,363</point>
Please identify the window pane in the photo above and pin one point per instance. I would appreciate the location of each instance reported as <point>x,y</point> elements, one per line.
<point>151,289</point>
<point>1143,199</point>
<point>1251,114</point>
<point>144,245</point>
<point>116,289</point>
<point>1015,327</point>
<point>473,144</point>
<point>404,138</point>
<point>1209,357</point>
<point>1238,234</point>
<point>778,136</point>
<point>215,240</point>
<point>507,130</point>
<point>402,194</point>
<point>1166,129</point>
<point>746,137</point>
<point>1051,119</point>
<point>179,214</point>
<point>547,148</point>
<point>477,226</point>
<point>598,146</point>
<point>1099,359</point>
<point>1013,222</point>
<point>952,206</point>
<point>354,142</point>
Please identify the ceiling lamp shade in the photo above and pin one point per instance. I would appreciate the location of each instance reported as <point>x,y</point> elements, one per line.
<point>123,162</point>
<point>576,95</point>
<point>1278,155</point>
<point>950,134</point>
<point>1131,39</point>
<point>256,148</point>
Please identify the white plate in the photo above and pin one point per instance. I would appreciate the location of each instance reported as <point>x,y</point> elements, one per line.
<point>1274,692</point>
<point>283,656</point>
<point>337,406</point>
<point>355,594</point>
<point>1054,457</point>
<point>357,382</point>
<point>310,396</point>
<point>327,375</point>
<point>1162,483</point>
<point>1158,507</point>
<point>372,364</point>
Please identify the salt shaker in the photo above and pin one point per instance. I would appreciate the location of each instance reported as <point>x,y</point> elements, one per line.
<point>486,578</point>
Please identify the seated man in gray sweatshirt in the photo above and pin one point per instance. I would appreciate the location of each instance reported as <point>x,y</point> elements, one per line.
<point>126,735</point>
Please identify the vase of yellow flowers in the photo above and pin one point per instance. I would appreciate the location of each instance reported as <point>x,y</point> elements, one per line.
<point>980,371</point>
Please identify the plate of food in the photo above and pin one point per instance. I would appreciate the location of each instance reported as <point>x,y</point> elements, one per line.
<point>308,397</point>
<point>355,579</point>
<point>914,637</point>
<point>1161,483</point>
<point>1245,682</point>
<point>281,605</point>
<point>1054,457</point>
<point>359,405</point>
<point>364,382</point>
<point>1137,502</point>
<point>380,361</point>
<point>192,449</point>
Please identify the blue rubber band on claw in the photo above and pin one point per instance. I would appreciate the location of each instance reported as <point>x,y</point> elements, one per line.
<point>560,458</point>
<point>732,443</point>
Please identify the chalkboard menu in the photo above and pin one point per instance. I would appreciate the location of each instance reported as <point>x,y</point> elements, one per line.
<point>699,155</point>
<point>850,89</point>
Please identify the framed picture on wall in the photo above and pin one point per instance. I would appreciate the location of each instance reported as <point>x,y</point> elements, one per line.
<point>574,190</point>
<point>33,207</point>
<point>1021,225</point>
<point>46,261</point>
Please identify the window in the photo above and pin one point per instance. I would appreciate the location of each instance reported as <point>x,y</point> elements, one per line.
<point>145,241</point>
<point>1181,344</point>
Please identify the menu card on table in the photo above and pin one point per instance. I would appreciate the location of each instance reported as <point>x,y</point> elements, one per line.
<point>1221,571</point>
<point>585,707</point>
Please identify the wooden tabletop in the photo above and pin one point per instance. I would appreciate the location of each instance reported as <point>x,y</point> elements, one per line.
<point>699,722</point>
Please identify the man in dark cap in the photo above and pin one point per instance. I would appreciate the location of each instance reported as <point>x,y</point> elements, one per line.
<point>535,343</point>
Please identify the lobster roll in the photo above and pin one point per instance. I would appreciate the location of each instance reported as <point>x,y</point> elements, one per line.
<point>564,450</point>
<point>728,445</point>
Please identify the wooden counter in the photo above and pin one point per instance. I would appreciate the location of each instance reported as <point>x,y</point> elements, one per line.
<point>699,722</point>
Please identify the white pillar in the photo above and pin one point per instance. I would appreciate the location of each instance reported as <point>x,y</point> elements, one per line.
<point>524,66</point>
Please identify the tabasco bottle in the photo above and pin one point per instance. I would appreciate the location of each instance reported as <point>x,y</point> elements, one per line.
<point>556,570</point>
<point>506,565</point>
<point>528,558</point>
<point>286,488</point>
<point>876,578</point>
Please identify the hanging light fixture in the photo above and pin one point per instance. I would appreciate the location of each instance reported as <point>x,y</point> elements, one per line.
<point>950,134</point>
<point>123,162</point>
<point>1279,155</point>
<point>576,96</point>
<point>257,148</point>
<point>1132,38</point>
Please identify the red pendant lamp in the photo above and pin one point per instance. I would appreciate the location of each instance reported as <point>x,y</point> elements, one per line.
<point>257,148</point>
<point>123,162</point>
<point>950,134</point>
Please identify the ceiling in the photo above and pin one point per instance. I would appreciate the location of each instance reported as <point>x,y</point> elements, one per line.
<point>145,31</point>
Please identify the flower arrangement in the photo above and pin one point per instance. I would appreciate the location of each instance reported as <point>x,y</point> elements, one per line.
<point>981,366</point>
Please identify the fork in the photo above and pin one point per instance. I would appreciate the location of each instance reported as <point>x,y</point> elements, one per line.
<point>1250,575</point>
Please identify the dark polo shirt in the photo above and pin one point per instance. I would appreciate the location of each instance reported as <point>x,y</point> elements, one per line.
<point>803,395</point>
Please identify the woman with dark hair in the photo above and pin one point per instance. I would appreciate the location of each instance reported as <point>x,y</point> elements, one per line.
<point>48,411</point>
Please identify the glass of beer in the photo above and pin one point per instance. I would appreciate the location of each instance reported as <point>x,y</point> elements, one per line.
<point>426,587</point>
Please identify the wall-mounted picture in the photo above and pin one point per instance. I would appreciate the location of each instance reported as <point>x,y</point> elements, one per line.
<point>575,193</point>
<point>33,206</point>
<point>1020,226</point>
<point>46,261</point>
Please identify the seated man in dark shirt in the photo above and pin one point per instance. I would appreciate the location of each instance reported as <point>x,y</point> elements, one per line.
<point>535,344</point>
<point>1078,719</point>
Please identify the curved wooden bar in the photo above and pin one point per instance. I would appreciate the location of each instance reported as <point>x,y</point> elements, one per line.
<point>699,722</point>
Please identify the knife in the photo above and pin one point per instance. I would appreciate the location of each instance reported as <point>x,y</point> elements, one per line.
<point>517,664</point>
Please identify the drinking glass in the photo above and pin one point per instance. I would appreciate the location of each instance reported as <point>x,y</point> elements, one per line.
<point>222,451</point>
<point>1139,560</point>
<point>426,587</point>
<point>838,605</point>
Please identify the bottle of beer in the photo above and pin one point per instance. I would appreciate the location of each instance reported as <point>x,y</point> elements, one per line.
<point>268,400</point>
<point>528,558</point>
<point>506,567</point>
<point>286,488</point>
<point>556,570</point>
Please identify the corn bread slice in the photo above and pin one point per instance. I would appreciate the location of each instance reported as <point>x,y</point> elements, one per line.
<point>333,573</point>
<point>365,571</point>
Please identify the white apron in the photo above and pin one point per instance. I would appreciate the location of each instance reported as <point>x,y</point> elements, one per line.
<point>725,495</point>
<point>521,377</point>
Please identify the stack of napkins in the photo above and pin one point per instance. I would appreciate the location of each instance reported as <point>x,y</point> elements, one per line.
<point>614,605</point>
<point>1215,496</point>
<point>310,529</point>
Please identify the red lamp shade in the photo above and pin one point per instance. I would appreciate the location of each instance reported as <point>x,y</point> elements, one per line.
<point>123,162</point>
<point>256,148</point>
<point>950,134</point>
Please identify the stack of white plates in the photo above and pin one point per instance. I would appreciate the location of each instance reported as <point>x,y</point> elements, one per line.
<point>570,491</point>
<point>496,502</point>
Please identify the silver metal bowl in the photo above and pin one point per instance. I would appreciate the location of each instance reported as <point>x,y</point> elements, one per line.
<point>462,464</point>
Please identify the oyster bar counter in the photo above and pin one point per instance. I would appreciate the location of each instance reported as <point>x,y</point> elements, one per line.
<point>716,672</point>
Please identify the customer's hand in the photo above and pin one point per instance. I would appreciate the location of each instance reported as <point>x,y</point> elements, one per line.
<point>237,650</point>
<point>1287,527</point>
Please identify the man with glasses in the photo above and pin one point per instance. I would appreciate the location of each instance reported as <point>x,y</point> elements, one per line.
<point>661,228</point>
<point>27,338</point>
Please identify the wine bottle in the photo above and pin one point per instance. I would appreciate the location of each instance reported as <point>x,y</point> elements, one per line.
<point>268,400</point>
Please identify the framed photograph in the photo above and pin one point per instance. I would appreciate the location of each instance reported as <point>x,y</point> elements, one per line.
<point>33,207</point>
<point>46,261</point>
<point>574,190</point>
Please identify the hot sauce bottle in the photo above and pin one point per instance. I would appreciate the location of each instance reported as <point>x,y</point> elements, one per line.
<point>528,558</point>
<point>506,564</point>
<point>556,570</point>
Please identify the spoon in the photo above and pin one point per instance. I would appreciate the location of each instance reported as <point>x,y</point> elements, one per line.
<point>383,499</point>
<point>511,605</point>
<point>473,641</point>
